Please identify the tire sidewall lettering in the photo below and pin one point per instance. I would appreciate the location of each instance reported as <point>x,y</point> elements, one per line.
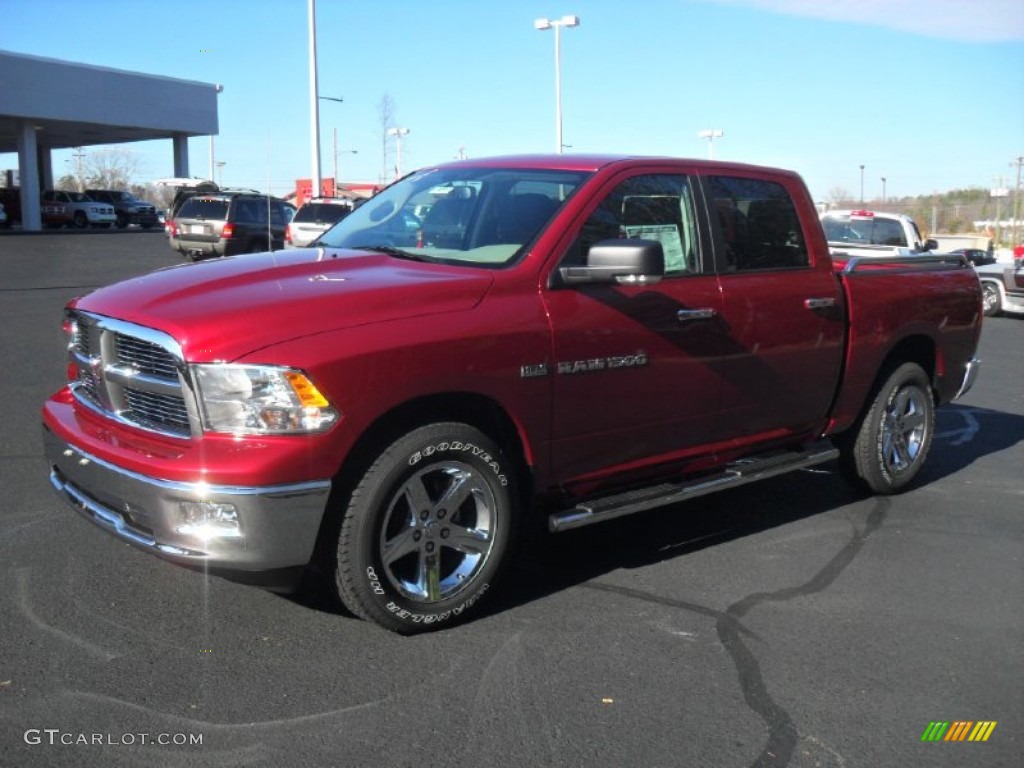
<point>434,618</point>
<point>458,446</point>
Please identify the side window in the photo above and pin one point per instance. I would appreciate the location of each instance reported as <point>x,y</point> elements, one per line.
<point>758,224</point>
<point>888,232</point>
<point>653,207</point>
<point>278,215</point>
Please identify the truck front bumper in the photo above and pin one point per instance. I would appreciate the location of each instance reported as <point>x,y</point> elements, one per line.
<point>228,528</point>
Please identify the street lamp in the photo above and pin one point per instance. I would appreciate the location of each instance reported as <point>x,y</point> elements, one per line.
<point>711,135</point>
<point>336,151</point>
<point>862,185</point>
<point>398,133</point>
<point>883,190</point>
<point>557,24</point>
<point>220,170</point>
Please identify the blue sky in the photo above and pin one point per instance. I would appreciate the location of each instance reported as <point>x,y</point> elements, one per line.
<point>927,93</point>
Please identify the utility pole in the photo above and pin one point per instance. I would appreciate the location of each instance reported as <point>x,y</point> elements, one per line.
<point>79,155</point>
<point>999,193</point>
<point>1016,203</point>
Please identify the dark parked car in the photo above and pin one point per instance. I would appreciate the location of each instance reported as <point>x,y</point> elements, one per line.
<point>976,256</point>
<point>10,197</point>
<point>228,223</point>
<point>314,218</point>
<point>128,208</point>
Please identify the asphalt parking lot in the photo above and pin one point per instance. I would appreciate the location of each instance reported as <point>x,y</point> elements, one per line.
<point>792,623</point>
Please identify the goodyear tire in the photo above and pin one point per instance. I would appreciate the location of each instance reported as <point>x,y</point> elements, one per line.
<point>892,441</point>
<point>426,529</point>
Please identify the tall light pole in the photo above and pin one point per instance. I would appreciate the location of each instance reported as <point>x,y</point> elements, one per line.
<point>883,190</point>
<point>339,101</point>
<point>557,24</point>
<point>314,105</point>
<point>218,89</point>
<point>711,134</point>
<point>398,133</point>
<point>862,185</point>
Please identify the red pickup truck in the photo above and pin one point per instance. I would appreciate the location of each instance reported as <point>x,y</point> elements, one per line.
<point>574,337</point>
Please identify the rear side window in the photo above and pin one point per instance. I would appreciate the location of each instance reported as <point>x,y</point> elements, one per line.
<point>321,213</point>
<point>204,208</point>
<point>758,224</point>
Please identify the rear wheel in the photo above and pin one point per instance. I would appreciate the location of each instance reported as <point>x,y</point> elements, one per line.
<point>991,302</point>
<point>122,221</point>
<point>426,529</point>
<point>891,443</point>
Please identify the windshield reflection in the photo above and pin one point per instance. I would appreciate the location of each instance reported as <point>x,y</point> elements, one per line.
<point>484,216</point>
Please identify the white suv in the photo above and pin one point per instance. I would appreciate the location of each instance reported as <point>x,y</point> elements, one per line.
<point>80,209</point>
<point>314,218</point>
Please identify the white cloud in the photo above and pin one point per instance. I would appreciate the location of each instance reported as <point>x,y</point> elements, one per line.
<point>963,20</point>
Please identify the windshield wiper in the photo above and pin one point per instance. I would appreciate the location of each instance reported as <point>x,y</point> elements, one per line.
<point>398,253</point>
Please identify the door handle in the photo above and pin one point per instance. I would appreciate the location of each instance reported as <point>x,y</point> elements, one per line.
<point>685,315</point>
<point>819,303</point>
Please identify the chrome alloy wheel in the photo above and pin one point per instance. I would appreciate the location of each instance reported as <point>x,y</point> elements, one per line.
<point>990,302</point>
<point>904,429</point>
<point>438,531</point>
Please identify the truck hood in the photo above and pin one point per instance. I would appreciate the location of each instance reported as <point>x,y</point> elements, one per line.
<point>226,308</point>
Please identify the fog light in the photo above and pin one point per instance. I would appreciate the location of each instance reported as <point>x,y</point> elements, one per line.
<point>208,520</point>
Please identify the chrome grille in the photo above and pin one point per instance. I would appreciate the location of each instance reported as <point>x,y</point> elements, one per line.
<point>130,373</point>
<point>146,357</point>
<point>157,411</point>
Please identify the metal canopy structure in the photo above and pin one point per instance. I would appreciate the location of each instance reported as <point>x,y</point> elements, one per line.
<point>47,104</point>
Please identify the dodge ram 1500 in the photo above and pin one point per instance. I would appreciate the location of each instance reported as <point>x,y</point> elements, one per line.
<point>574,337</point>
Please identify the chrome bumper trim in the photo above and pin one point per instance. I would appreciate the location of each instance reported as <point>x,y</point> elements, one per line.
<point>278,524</point>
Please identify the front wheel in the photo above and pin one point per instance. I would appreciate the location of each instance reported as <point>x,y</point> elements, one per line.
<point>991,302</point>
<point>890,445</point>
<point>426,529</point>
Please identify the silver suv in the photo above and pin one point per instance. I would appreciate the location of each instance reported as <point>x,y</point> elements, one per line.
<point>314,218</point>
<point>225,224</point>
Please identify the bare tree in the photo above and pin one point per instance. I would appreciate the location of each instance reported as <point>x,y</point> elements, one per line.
<point>386,116</point>
<point>111,168</point>
<point>837,195</point>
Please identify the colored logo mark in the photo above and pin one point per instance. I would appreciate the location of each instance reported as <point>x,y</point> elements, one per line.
<point>958,730</point>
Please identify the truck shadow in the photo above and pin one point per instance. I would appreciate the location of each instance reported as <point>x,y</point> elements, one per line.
<point>544,563</point>
<point>549,563</point>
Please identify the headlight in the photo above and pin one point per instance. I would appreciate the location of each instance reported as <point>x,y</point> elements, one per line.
<point>260,400</point>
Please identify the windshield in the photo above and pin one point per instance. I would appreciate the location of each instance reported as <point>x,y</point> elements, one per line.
<point>863,230</point>
<point>204,208</point>
<point>483,216</point>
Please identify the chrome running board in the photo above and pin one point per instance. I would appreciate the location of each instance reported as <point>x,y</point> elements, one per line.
<point>733,475</point>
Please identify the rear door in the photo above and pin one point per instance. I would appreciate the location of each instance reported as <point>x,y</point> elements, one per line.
<point>636,385</point>
<point>782,311</point>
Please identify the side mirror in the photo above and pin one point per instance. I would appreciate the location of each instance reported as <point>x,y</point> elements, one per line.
<point>629,261</point>
<point>931,245</point>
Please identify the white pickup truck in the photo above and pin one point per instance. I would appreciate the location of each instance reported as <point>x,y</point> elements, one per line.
<point>873,233</point>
